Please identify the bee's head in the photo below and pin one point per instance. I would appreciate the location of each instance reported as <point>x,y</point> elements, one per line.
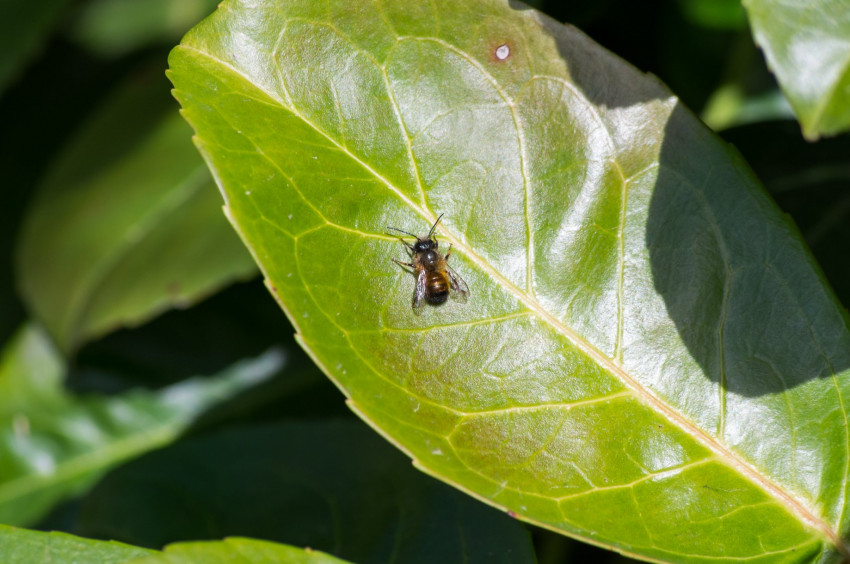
<point>421,245</point>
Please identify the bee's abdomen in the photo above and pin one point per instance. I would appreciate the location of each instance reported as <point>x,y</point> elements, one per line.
<point>437,288</point>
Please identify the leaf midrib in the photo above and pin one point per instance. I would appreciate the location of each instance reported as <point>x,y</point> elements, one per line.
<point>641,393</point>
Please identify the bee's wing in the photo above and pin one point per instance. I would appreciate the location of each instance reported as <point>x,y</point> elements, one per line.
<point>419,292</point>
<point>460,290</point>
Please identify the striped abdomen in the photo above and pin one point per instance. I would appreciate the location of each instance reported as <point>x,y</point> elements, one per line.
<point>436,287</point>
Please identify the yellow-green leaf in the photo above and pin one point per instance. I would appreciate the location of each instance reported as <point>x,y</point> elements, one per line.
<point>649,358</point>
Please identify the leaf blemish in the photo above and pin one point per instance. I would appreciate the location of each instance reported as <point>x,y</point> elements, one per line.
<point>502,52</point>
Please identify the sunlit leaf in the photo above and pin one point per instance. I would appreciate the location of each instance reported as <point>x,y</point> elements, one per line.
<point>54,445</point>
<point>237,550</point>
<point>127,224</point>
<point>649,359</point>
<point>332,485</point>
<point>20,546</point>
<point>807,46</point>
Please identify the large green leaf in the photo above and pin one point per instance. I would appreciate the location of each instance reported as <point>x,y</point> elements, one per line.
<point>334,486</point>
<point>649,359</point>
<point>807,45</point>
<point>54,445</point>
<point>127,223</point>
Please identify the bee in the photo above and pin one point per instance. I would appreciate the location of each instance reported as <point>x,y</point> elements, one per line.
<point>435,279</point>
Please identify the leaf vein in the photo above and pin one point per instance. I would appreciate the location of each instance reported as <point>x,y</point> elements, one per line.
<point>580,343</point>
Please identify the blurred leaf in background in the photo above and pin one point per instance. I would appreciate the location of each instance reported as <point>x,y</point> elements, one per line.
<point>127,223</point>
<point>748,93</point>
<point>54,444</point>
<point>113,28</point>
<point>24,29</point>
<point>19,546</point>
<point>247,551</point>
<point>807,45</point>
<point>716,14</point>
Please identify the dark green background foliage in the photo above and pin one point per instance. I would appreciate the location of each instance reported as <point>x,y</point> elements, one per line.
<point>133,320</point>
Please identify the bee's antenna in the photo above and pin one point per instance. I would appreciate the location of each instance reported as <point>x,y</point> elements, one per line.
<point>401,231</point>
<point>433,227</point>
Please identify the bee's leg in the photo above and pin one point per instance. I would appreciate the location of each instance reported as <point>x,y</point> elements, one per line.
<point>402,263</point>
<point>449,252</point>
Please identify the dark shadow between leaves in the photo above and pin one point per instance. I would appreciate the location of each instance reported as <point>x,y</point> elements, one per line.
<point>330,485</point>
<point>591,67</point>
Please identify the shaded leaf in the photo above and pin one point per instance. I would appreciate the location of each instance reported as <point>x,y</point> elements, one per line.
<point>20,546</point>
<point>719,14</point>
<point>650,359</point>
<point>807,46</point>
<point>809,181</point>
<point>24,27</point>
<point>115,27</point>
<point>127,224</point>
<point>54,445</point>
<point>333,486</point>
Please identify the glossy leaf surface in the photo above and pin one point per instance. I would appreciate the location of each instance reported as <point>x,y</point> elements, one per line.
<point>649,359</point>
<point>127,223</point>
<point>334,486</point>
<point>54,445</point>
<point>807,46</point>
<point>20,546</point>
